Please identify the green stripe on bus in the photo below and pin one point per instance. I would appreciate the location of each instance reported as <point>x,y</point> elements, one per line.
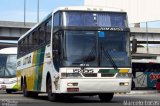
<point>108,71</point>
<point>39,69</point>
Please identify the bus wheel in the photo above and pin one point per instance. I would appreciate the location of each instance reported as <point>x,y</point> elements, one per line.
<point>8,91</point>
<point>107,97</point>
<point>25,92</point>
<point>133,85</point>
<point>51,96</point>
<point>33,94</point>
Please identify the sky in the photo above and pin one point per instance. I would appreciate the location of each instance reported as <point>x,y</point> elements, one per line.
<point>13,10</point>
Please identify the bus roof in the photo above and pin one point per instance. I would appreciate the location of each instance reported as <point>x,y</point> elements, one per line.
<point>74,8</point>
<point>88,8</point>
<point>10,50</point>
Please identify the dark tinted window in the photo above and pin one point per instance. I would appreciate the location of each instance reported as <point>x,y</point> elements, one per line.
<point>35,39</point>
<point>22,46</point>
<point>56,21</point>
<point>77,53</point>
<point>48,30</point>
<point>19,48</point>
<point>56,50</point>
<point>30,43</point>
<point>96,19</point>
<point>41,35</point>
<point>25,44</point>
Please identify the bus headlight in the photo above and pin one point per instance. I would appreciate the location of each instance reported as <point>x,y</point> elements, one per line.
<point>71,75</point>
<point>124,75</point>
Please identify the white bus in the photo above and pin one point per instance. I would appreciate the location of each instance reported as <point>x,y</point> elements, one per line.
<point>76,51</point>
<point>8,60</point>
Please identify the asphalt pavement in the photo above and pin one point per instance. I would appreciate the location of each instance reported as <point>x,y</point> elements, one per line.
<point>141,98</point>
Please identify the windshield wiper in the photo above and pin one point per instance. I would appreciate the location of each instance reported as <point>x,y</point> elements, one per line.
<point>89,58</point>
<point>108,56</point>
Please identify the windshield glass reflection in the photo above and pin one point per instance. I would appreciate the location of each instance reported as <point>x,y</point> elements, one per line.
<point>80,48</point>
<point>96,49</point>
<point>7,65</point>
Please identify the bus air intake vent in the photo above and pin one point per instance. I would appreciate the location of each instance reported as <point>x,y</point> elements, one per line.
<point>90,74</point>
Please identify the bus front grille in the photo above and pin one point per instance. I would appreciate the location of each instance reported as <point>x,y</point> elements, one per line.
<point>107,75</point>
<point>90,74</point>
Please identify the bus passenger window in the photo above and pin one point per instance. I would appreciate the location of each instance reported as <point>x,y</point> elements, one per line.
<point>48,30</point>
<point>30,43</point>
<point>22,46</point>
<point>26,44</point>
<point>41,35</point>
<point>35,39</point>
<point>19,48</point>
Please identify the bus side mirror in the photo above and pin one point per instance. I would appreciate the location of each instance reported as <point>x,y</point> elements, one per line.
<point>134,45</point>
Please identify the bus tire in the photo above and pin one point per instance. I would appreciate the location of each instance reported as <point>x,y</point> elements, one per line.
<point>133,85</point>
<point>25,92</point>
<point>107,97</point>
<point>34,94</point>
<point>8,91</point>
<point>51,96</point>
<point>21,84</point>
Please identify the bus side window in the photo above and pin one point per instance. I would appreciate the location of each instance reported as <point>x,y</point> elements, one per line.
<point>56,50</point>
<point>19,49</point>
<point>22,47</point>
<point>41,35</point>
<point>48,30</point>
<point>56,20</point>
<point>30,43</point>
<point>25,45</point>
<point>35,39</point>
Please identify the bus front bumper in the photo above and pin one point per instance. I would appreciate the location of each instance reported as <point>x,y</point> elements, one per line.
<point>8,86</point>
<point>94,85</point>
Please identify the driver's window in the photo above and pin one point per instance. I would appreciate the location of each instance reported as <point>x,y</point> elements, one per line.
<point>56,50</point>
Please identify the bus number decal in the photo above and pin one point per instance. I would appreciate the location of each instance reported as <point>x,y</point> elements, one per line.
<point>83,70</point>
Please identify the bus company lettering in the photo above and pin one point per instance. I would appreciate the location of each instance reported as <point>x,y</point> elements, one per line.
<point>111,29</point>
<point>27,60</point>
<point>154,76</point>
<point>18,63</point>
<point>83,70</point>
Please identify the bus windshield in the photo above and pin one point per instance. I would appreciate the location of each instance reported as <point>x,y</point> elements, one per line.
<point>7,66</point>
<point>80,46</point>
<point>95,19</point>
<point>91,48</point>
<point>114,45</point>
